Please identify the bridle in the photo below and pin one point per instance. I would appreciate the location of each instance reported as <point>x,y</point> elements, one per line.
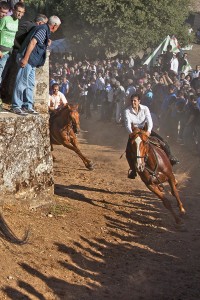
<point>145,142</point>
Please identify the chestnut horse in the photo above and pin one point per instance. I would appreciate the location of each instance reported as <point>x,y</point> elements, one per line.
<point>64,125</point>
<point>154,168</point>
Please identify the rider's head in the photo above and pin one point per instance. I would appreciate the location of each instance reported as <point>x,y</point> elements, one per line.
<point>135,100</point>
<point>55,88</point>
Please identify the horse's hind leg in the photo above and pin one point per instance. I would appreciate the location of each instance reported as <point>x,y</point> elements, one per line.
<point>89,165</point>
<point>165,201</point>
<point>175,193</point>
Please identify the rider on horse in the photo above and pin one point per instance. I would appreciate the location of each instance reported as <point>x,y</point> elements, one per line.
<point>57,100</point>
<point>137,115</point>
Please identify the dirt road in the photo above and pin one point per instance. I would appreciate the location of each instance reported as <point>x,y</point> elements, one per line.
<point>104,236</point>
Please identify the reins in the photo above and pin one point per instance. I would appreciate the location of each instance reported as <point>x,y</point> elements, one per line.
<point>153,173</point>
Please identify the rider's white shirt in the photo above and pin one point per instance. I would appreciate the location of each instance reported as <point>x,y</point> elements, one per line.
<point>138,119</point>
<point>57,101</point>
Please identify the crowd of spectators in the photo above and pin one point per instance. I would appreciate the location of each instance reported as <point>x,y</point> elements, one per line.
<point>171,92</point>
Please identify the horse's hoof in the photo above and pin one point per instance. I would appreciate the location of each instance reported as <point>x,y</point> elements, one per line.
<point>182,212</point>
<point>90,166</point>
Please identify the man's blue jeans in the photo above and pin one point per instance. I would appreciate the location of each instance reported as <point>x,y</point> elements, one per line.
<point>3,62</point>
<point>24,88</point>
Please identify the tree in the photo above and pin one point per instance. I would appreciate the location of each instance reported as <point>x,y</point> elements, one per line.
<point>128,26</point>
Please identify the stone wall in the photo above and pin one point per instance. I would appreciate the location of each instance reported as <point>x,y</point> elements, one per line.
<point>26,167</point>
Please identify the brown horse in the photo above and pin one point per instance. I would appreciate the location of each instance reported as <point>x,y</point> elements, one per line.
<point>154,168</point>
<point>63,128</point>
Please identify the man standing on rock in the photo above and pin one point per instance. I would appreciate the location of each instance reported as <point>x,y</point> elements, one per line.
<point>8,29</point>
<point>32,55</point>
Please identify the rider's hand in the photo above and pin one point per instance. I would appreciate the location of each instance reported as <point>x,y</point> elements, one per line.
<point>148,133</point>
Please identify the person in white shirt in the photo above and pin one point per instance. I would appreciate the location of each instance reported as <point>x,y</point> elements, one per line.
<point>137,115</point>
<point>196,72</point>
<point>120,96</point>
<point>174,64</point>
<point>57,100</point>
<point>100,85</point>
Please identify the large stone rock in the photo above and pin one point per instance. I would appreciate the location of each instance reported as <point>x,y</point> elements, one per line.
<point>26,166</point>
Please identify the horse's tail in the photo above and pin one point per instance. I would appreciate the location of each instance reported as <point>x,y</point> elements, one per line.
<point>7,233</point>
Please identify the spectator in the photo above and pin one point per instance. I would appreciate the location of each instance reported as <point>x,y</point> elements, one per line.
<point>130,90</point>
<point>148,96</point>
<point>195,73</point>
<point>195,83</point>
<point>174,64</point>
<point>65,87</point>
<point>166,61</point>
<point>119,96</point>
<point>33,54</point>
<point>8,29</point>
<point>4,9</point>
<point>191,118</point>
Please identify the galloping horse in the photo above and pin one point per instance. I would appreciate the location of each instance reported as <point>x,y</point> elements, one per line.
<point>63,128</point>
<point>154,168</point>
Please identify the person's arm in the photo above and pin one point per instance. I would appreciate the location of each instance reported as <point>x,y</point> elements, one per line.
<point>2,25</point>
<point>51,106</point>
<point>127,121</point>
<point>29,50</point>
<point>169,81</point>
<point>63,98</point>
<point>148,120</point>
<point>155,80</point>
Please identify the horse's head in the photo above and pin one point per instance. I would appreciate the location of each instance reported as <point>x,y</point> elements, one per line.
<point>139,141</point>
<point>74,115</point>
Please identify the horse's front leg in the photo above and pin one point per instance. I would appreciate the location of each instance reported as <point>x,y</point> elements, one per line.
<point>166,202</point>
<point>172,183</point>
<point>74,147</point>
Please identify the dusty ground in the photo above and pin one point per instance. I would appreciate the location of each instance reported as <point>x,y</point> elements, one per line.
<point>104,236</point>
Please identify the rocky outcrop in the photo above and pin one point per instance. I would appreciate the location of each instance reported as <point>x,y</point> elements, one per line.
<point>26,167</point>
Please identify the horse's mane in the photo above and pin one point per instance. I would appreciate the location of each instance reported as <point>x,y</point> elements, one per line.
<point>67,108</point>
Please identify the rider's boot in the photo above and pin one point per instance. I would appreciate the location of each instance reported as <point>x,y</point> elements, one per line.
<point>132,171</point>
<point>172,158</point>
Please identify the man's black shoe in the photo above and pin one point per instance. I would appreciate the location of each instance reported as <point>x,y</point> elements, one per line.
<point>132,174</point>
<point>174,160</point>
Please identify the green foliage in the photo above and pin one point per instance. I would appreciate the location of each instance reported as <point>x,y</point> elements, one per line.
<point>128,26</point>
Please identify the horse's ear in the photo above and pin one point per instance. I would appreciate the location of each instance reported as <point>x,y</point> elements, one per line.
<point>76,106</point>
